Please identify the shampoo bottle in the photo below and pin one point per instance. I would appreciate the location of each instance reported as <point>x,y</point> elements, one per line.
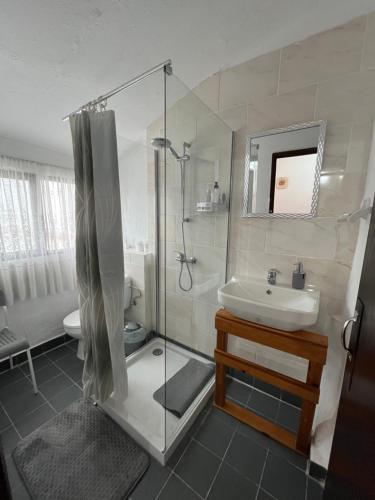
<point>216,193</point>
<point>208,194</point>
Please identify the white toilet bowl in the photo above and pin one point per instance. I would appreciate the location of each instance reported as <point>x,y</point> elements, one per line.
<point>72,323</point>
<point>72,326</point>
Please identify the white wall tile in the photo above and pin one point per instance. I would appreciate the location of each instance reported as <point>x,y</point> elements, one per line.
<point>209,259</point>
<point>244,83</point>
<point>179,330</point>
<point>347,99</point>
<point>257,264</point>
<point>359,147</point>
<point>340,194</point>
<point>168,278</point>
<point>200,230</point>
<point>368,61</point>
<point>137,312</point>
<point>203,327</point>
<point>137,275</point>
<point>316,239</point>
<point>330,277</point>
<point>250,234</point>
<point>346,242</point>
<point>288,366</point>
<point>242,348</point>
<point>323,56</point>
<point>235,118</point>
<point>221,231</point>
<point>336,147</point>
<point>208,91</point>
<point>179,306</point>
<point>282,110</point>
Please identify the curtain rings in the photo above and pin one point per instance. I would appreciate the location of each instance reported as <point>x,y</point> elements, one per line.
<point>103,105</point>
<point>95,106</point>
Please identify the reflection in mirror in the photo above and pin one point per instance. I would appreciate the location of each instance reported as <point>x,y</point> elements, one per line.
<point>282,171</point>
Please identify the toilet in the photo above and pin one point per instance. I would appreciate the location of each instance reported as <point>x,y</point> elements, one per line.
<point>72,324</point>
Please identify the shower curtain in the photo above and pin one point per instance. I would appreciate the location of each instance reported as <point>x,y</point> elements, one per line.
<point>99,253</point>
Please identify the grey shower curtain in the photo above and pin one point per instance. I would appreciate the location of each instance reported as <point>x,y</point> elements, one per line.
<point>99,253</point>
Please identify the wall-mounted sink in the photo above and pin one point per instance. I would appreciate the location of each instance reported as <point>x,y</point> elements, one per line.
<point>277,306</point>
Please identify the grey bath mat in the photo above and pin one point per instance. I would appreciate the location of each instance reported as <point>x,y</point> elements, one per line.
<point>80,454</point>
<point>177,394</point>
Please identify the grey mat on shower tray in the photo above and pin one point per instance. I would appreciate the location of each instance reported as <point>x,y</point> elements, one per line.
<point>80,453</point>
<point>177,394</point>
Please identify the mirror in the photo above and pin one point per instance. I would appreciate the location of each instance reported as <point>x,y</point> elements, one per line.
<point>282,171</point>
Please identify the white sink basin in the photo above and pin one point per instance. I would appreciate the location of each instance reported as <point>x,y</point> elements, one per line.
<point>277,306</point>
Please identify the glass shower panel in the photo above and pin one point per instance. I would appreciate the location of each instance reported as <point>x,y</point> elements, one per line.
<point>137,110</point>
<point>196,187</point>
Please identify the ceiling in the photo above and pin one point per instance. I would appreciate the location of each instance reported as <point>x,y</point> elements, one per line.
<point>57,54</point>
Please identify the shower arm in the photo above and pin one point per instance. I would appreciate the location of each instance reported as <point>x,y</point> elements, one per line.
<point>166,65</point>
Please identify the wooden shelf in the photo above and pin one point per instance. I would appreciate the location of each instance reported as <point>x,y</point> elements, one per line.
<point>308,345</point>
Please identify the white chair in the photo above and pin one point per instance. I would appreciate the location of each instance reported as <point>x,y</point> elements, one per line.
<point>10,345</point>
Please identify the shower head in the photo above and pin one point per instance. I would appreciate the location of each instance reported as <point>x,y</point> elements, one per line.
<point>160,143</point>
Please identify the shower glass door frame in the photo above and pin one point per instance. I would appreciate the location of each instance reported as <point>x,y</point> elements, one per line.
<point>197,144</point>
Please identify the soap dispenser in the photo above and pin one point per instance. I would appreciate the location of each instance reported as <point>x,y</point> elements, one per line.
<point>298,279</point>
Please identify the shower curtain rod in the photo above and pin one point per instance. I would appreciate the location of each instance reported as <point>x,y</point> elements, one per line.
<point>166,64</point>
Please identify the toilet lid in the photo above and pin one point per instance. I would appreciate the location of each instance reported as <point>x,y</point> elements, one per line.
<point>132,326</point>
<point>72,320</point>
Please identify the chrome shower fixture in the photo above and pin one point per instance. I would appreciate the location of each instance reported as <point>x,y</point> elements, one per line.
<point>160,143</point>
<point>180,257</point>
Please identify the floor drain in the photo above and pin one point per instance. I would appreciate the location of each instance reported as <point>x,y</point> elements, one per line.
<point>157,352</point>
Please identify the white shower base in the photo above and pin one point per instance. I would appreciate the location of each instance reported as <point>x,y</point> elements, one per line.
<point>156,430</point>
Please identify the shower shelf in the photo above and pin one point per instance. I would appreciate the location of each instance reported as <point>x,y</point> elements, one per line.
<point>222,209</point>
<point>211,214</point>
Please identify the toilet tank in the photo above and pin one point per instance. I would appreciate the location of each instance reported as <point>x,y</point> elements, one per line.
<point>127,292</point>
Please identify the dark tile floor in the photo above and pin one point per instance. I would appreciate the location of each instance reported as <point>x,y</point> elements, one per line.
<point>219,459</point>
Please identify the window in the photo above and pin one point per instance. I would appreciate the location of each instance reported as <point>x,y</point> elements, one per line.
<point>58,214</point>
<point>16,215</point>
<point>36,214</point>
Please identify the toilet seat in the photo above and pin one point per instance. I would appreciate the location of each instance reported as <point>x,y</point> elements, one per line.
<point>72,324</point>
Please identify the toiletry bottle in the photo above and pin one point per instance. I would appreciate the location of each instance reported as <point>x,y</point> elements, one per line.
<point>208,194</point>
<point>216,193</point>
<point>298,277</point>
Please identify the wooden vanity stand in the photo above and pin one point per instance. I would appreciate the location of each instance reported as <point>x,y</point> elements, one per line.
<point>311,346</point>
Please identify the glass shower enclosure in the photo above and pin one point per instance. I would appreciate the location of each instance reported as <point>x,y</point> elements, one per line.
<point>175,171</point>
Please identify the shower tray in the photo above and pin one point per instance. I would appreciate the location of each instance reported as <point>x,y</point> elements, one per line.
<point>156,430</point>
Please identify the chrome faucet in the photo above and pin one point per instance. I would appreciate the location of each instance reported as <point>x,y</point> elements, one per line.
<point>181,257</point>
<point>271,276</point>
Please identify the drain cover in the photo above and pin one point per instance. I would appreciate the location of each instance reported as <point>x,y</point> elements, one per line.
<point>157,352</point>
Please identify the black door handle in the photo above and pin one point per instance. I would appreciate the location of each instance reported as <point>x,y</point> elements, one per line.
<point>348,322</point>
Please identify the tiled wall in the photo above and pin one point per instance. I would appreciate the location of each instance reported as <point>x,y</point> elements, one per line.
<point>190,315</point>
<point>138,267</point>
<point>329,76</point>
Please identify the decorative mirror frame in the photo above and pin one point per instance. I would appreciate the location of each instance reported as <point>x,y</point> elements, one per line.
<point>319,160</point>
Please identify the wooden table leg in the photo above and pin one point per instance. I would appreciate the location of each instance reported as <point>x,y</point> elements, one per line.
<point>314,375</point>
<point>220,382</point>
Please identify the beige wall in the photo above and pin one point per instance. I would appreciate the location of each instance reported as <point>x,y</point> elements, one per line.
<point>329,76</point>
<point>190,315</point>
<point>138,267</point>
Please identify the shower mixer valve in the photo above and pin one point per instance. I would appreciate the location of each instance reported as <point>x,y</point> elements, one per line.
<point>180,257</point>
